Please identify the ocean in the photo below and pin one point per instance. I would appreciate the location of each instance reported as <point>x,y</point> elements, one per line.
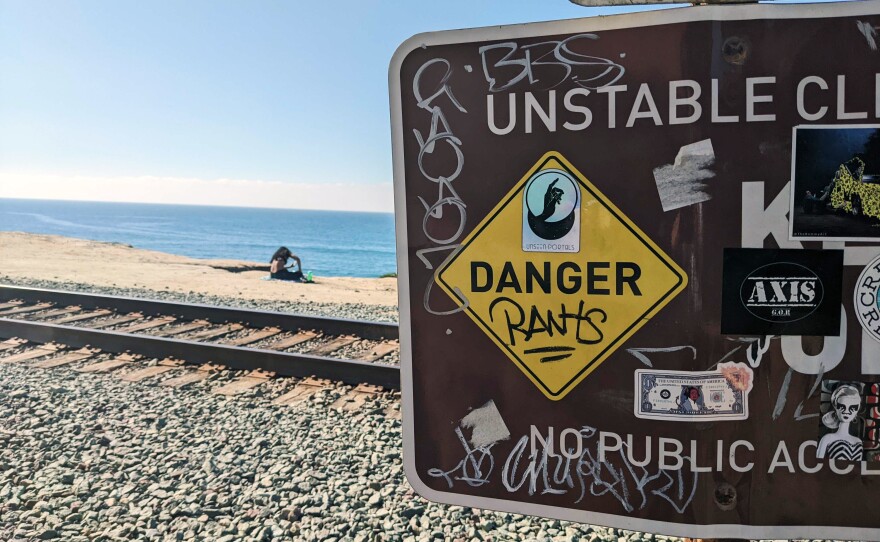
<point>330,243</point>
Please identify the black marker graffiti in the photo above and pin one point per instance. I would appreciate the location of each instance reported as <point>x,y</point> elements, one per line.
<point>534,321</point>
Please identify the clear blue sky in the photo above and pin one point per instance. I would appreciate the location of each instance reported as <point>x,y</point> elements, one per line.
<point>266,91</point>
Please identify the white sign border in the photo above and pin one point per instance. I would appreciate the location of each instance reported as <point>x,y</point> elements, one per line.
<point>573,26</point>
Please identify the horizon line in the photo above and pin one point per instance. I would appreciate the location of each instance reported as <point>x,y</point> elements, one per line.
<point>219,192</point>
<point>230,206</point>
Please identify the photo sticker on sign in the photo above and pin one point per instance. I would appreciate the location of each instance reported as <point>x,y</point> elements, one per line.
<point>590,280</point>
<point>699,396</point>
<point>842,427</point>
<point>835,191</point>
<point>781,292</point>
<point>551,213</point>
<point>865,298</point>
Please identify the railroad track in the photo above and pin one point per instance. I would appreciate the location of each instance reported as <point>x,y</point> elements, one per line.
<point>183,343</point>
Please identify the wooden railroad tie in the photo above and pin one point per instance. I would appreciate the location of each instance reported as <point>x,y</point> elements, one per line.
<point>58,312</point>
<point>167,364</point>
<point>244,383</point>
<point>380,351</point>
<point>83,316</point>
<point>225,329</point>
<point>70,357</point>
<point>356,398</point>
<point>34,353</point>
<point>9,344</point>
<point>264,333</point>
<point>302,391</point>
<point>183,328</point>
<point>25,309</point>
<point>393,411</point>
<point>192,377</point>
<point>332,346</point>
<point>149,324</point>
<point>124,319</point>
<point>294,340</point>
<point>109,365</point>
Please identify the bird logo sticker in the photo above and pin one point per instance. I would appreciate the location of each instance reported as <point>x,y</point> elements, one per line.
<point>551,213</point>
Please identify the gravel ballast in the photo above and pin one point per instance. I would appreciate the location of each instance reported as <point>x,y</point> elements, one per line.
<point>90,457</point>
<point>356,311</point>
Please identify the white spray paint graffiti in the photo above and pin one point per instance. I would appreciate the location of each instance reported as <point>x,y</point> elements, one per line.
<point>543,472</point>
<point>586,71</point>
<point>432,100</point>
<point>487,429</point>
<point>639,353</point>
<point>755,352</point>
<point>870,32</point>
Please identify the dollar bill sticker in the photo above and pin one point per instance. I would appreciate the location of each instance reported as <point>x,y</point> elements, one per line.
<point>689,396</point>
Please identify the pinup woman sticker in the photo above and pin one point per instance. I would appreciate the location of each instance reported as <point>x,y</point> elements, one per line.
<point>842,418</point>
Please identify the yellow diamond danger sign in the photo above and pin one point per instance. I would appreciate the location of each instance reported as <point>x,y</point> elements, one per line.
<point>558,277</point>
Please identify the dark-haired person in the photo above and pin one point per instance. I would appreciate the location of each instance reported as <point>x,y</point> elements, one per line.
<point>691,400</point>
<point>279,268</point>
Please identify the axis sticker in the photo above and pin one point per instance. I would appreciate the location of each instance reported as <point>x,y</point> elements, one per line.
<point>781,292</point>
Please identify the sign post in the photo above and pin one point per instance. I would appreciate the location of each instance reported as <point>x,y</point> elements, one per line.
<point>639,259</point>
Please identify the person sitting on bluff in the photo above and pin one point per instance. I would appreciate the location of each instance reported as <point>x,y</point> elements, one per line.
<point>279,268</point>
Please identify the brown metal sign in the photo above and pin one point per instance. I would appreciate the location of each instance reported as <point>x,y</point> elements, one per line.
<point>639,267</point>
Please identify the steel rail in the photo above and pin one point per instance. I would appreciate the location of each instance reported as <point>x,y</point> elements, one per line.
<point>214,314</point>
<point>243,358</point>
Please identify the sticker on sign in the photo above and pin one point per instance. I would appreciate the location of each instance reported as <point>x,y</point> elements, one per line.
<point>556,315</point>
